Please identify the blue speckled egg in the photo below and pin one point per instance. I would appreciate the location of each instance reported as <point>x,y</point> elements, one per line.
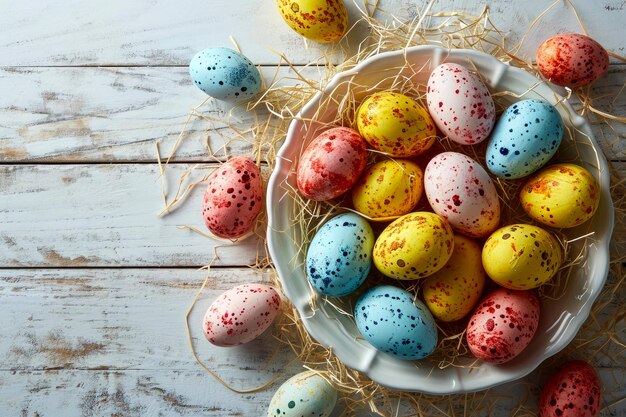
<point>340,255</point>
<point>306,394</point>
<point>526,136</point>
<point>225,74</point>
<point>393,321</point>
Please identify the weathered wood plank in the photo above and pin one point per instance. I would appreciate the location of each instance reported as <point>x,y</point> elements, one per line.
<point>150,32</point>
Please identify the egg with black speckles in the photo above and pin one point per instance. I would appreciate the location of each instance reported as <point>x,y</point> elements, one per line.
<point>339,257</point>
<point>459,189</point>
<point>572,60</point>
<point>414,246</point>
<point>460,104</point>
<point>241,314</point>
<point>572,391</point>
<point>521,256</point>
<point>318,20</point>
<point>561,195</point>
<point>395,322</point>
<point>524,139</point>
<point>225,74</point>
<point>502,325</point>
<point>305,394</point>
<point>395,124</point>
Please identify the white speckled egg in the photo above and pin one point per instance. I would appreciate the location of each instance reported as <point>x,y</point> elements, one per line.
<point>306,394</point>
<point>225,74</point>
<point>241,314</point>
<point>460,104</point>
<point>460,190</point>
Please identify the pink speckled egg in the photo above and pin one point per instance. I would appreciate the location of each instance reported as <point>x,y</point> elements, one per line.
<point>460,104</point>
<point>503,325</point>
<point>331,164</point>
<point>460,190</point>
<point>233,198</point>
<point>241,314</point>
<point>573,391</point>
<point>572,60</point>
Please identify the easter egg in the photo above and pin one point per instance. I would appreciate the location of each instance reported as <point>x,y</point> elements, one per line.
<point>525,137</point>
<point>452,292</point>
<point>521,256</point>
<point>414,246</point>
<point>460,190</point>
<point>572,391</point>
<point>318,20</point>
<point>561,195</point>
<point>305,394</point>
<point>241,314</point>
<point>502,325</point>
<point>331,164</point>
<point>395,322</point>
<point>572,60</point>
<point>340,255</point>
<point>388,188</point>
<point>395,124</point>
<point>225,74</point>
<point>233,198</point>
<point>460,104</point>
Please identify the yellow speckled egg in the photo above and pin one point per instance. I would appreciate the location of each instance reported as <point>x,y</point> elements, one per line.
<point>318,20</point>
<point>452,292</point>
<point>414,246</point>
<point>388,188</point>
<point>393,123</point>
<point>521,256</point>
<point>562,195</point>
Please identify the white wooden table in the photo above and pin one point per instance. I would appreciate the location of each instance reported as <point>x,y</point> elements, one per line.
<point>93,286</point>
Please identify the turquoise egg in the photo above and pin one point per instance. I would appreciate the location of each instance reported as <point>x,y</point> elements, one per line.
<point>225,74</point>
<point>306,394</point>
<point>394,322</point>
<point>340,255</point>
<point>525,137</point>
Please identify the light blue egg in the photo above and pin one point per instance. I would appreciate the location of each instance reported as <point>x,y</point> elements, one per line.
<point>340,255</point>
<point>225,74</point>
<point>393,321</point>
<point>306,394</point>
<point>524,139</point>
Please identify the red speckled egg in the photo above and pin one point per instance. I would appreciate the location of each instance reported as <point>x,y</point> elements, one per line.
<point>331,164</point>
<point>460,104</point>
<point>572,60</point>
<point>502,325</point>
<point>573,391</point>
<point>233,198</point>
<point>241,314</point>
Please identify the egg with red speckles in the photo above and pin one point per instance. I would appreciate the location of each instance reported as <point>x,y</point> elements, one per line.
<point>573,391</point>
<point>521,256</point>
<point>395,322</point>
<point>502,325</point>
<point>414,246</point>
<point>524,139</point>
<point>340,255</point>
<point>241,314</point>
<point>395,124</point>
<point>225,74</point>
<point>233,198</point>
<point>460,104</point>
<point>561,195</point>
<point>460,190</point>
<point>572,60</point>
<point>452,292</point>
<point>318,20</point>
<point>331,164</point>
<point>305,394</point>
<point>388,188</point>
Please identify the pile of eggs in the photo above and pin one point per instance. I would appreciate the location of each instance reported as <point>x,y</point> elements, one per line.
<point>456,242</point>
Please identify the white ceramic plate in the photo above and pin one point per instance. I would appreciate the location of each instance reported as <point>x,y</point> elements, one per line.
<point>560,321</point>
